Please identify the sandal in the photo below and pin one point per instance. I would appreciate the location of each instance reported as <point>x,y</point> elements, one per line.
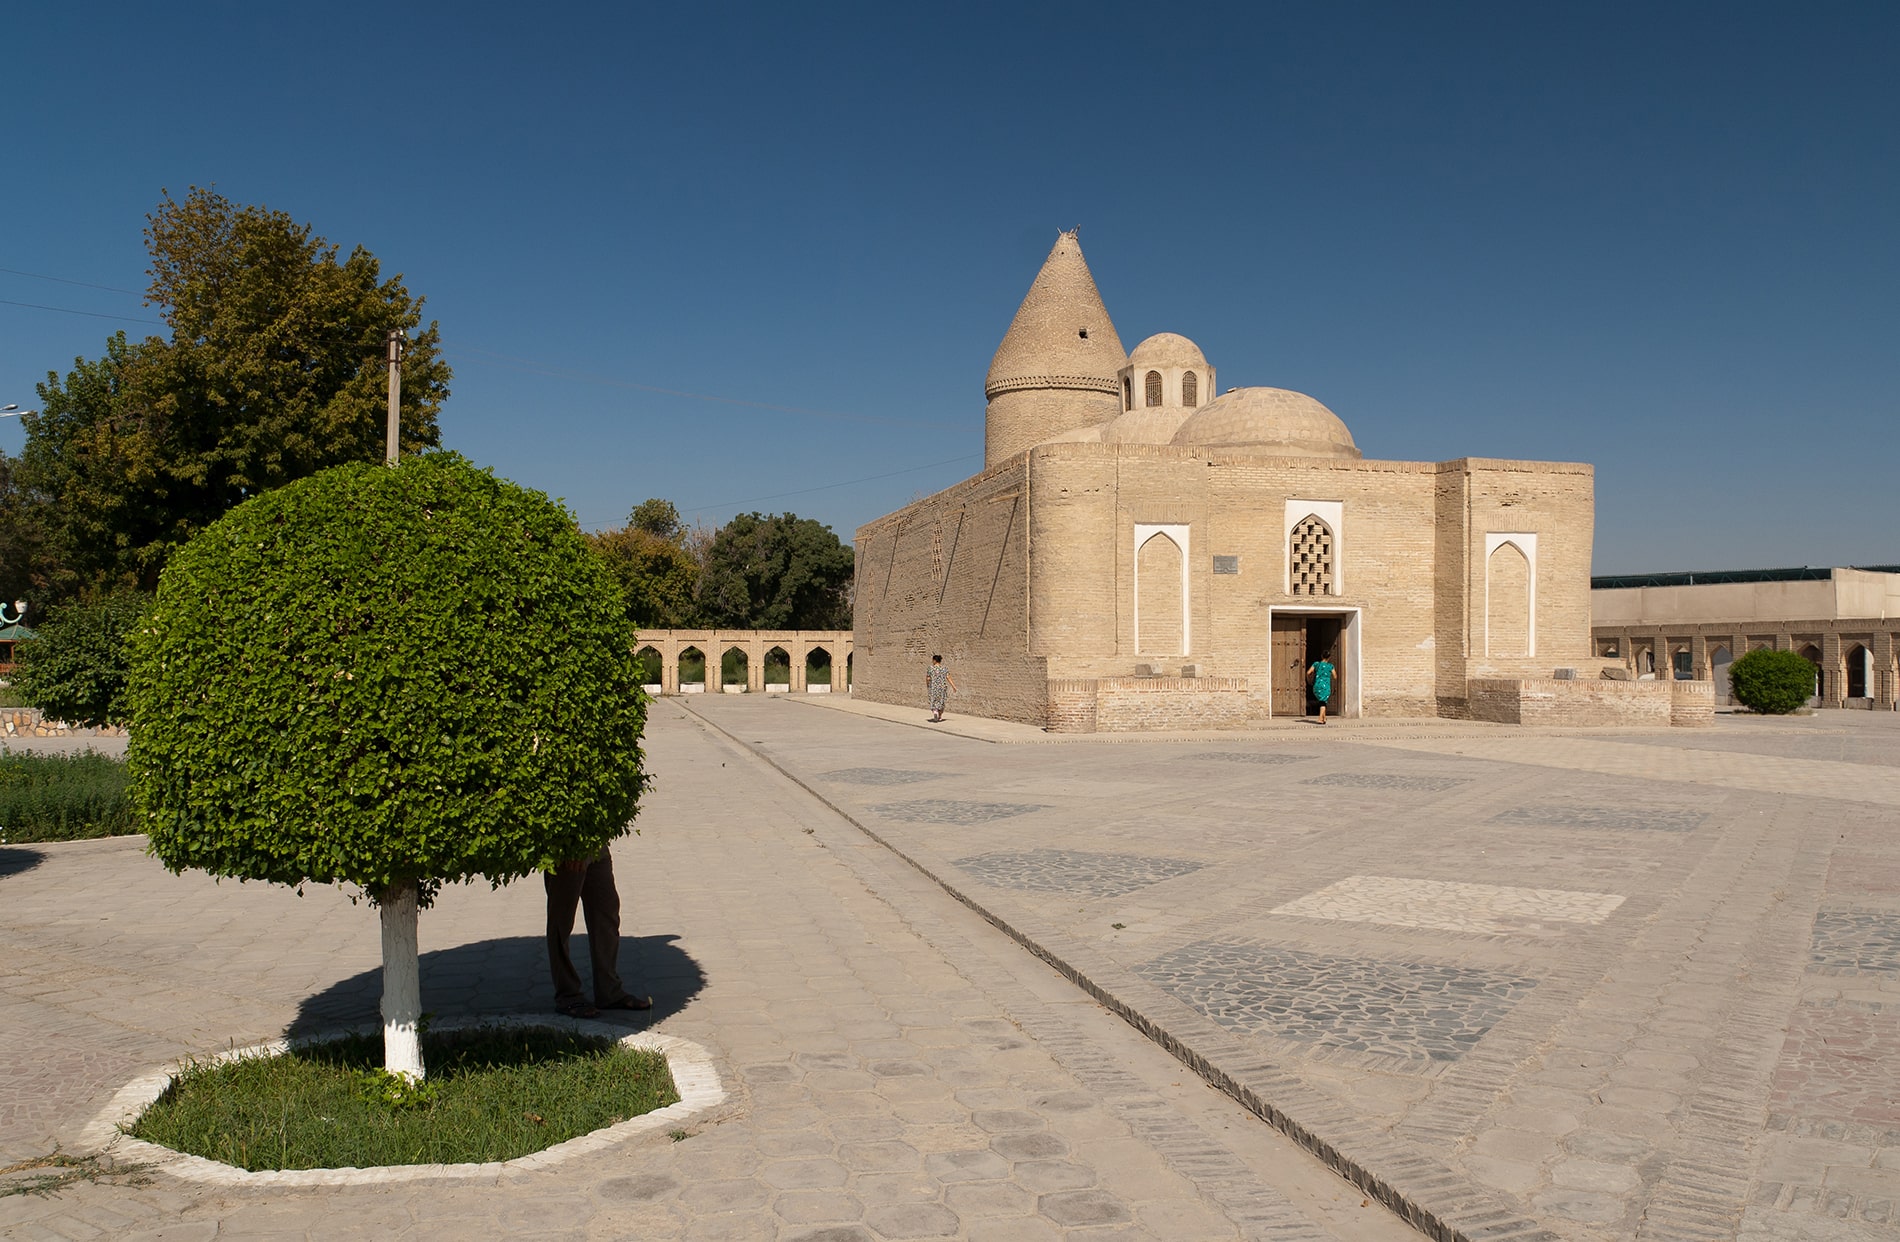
<point>579,1009</point>
<point>630,1002</point>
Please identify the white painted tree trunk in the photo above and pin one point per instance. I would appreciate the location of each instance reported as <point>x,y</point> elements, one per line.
<point>402,983</point>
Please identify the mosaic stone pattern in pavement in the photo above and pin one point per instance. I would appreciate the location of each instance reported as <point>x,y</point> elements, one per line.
<point>1412,1011</point>
<point>948,811</point>
<point>1626,819</point>
<point>1263,757</point>
<point>1856,942</point>
<point>880,776</point>
<point>1081,872</point>
<point>1388,780</point>
<point>1475,909</point>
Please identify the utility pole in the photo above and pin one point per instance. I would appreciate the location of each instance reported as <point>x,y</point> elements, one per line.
<point>395,394</point>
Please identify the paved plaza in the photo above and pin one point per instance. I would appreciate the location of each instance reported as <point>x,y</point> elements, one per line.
<point>970,980</point>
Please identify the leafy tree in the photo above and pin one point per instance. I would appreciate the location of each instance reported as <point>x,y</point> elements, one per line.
<point>659,518</point>
<point>1771,682</point>
<point>275,368</point>
<point>657,573</point>
<point>73,669</point>
<point>778,572</point>
<point>389,678</point>
<point>19,536</point>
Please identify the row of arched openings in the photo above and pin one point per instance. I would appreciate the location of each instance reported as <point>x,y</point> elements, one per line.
<point>734,667</point>
<point>1151,390</point>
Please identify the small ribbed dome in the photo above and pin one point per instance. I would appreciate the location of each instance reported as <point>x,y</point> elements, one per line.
<point>1288,423</point>
<point>1167,349</point>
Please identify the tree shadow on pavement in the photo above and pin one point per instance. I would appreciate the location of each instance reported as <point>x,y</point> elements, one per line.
<point>508,975</point>
<point>14,860</point>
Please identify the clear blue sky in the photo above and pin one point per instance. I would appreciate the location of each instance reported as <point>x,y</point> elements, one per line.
<point>1664,239</point>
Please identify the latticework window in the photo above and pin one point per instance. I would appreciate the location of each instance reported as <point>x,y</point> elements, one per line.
<point>1154,388</point>
<point>1190,390</point>
<point>1310,558</point>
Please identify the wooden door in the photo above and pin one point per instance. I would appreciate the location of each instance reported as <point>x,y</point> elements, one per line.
<point>1289,665</point>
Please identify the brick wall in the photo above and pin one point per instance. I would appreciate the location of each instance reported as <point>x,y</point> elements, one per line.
<point>1589,703</point>
<point>1135,704</point>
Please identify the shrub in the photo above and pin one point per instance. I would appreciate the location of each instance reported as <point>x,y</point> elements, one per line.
<point>1771,682</point>
<point>73,668</point>
<point>389,677</point>
<point>63,798</point>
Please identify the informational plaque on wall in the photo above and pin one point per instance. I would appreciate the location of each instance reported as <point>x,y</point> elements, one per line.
<point>1227,564</point>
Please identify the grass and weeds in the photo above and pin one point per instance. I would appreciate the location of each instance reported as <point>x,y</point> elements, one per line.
<point>12,696</point>
<point>63,798</point>
<point>53,1172</point>
<point>493,1093</point>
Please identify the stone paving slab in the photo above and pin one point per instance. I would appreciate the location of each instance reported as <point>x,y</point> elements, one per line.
<point>898,1066</point>
<point>1710,1058</point>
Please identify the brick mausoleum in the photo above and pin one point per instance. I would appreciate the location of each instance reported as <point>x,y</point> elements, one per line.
<point>1144,551</point>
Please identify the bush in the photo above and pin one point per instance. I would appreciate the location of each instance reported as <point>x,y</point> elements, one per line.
<point>1771,682</point>
<point>73,668</point>
<point>63,798</point>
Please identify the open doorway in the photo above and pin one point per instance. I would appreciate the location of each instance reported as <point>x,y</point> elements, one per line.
<point>1300,639</point>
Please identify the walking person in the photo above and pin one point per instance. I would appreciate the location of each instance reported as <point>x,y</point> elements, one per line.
<point>589,884</point>
<point>939,683</point>
<point>1321,675</point>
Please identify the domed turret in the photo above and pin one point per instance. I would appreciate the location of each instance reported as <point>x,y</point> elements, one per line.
<point>1166,378</point>
<point>1055,371</point>
<point>1290,424</point>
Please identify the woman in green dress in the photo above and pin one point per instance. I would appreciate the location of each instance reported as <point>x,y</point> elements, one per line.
<point>1321,675</point>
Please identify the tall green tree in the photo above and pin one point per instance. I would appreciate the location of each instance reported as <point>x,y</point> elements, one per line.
<point>776,572</point>
<point>658,574</point>
<point>274,369</point>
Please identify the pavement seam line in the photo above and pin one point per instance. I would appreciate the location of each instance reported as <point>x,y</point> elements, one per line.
<point>1500,1217</point>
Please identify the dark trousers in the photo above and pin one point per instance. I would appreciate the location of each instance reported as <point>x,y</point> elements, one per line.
<point>594,892</point>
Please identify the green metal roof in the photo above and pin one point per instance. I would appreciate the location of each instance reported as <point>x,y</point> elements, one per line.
<point>1806,573</point>
<point>15,633</point>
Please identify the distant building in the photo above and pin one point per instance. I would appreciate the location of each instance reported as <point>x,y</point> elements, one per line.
<point>1845,621</point>
<point>1142,550</point>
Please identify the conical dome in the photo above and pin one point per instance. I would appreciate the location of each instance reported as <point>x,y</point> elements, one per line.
<point>1055,371</point>
<point>1061,331</point>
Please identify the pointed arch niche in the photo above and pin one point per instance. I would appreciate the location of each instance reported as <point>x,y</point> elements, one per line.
<point>1510,594</point>
<point>1161,589</point>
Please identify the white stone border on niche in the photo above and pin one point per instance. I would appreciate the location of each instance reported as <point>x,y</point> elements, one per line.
<point>1524,541</point>
<point>1331,512</point>
<point>691,1065</point>
<point>1177,533</point>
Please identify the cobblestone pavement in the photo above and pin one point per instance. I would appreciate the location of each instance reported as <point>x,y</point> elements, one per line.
<point>1606,985</point>
<point>898,1067</point>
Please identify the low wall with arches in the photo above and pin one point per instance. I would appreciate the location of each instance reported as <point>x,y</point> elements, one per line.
<point>797,646</point>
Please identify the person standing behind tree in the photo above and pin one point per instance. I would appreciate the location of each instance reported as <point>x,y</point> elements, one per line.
<point>1321,675</point>
<point>939,683</point>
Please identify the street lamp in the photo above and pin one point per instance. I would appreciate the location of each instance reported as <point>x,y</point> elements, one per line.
<point>19,613</point>
<point>10,410</point>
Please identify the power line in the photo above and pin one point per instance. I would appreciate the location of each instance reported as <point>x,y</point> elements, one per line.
<point>533,367</point>
<point>61,280</point>
<point>825,487</point>
<point>67,310</point>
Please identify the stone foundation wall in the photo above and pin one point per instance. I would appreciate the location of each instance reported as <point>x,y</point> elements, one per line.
<point>1584,703</point>
<point>1136,704</point>
<point>28,722</point>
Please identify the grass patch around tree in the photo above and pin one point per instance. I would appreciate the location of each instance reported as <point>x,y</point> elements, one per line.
<point>63,798</point>
<point>493,1093</point>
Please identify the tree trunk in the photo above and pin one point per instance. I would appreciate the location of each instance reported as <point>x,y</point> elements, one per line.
<point>402,982</point>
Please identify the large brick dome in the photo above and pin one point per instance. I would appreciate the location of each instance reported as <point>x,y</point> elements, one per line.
<point>1289,423</point>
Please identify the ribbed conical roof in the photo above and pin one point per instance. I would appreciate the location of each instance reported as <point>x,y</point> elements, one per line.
<point>1061,331</point>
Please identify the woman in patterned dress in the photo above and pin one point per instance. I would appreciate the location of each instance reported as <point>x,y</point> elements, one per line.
<point>939,683</point>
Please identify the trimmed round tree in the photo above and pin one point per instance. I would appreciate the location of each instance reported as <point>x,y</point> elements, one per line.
<point>1773,683</point>
<point>387,677</point>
